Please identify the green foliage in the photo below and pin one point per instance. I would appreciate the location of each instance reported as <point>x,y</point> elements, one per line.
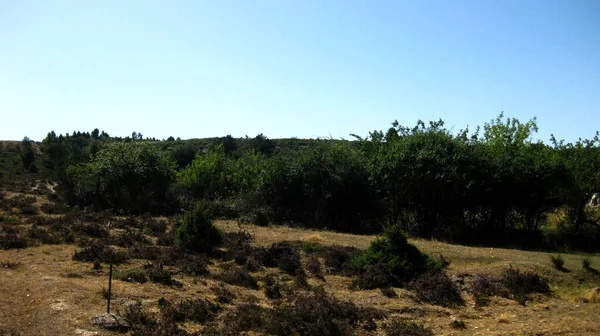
<point>28,155</point>
<point>402,261</point>
<point>325,185</point>
<point>196,231</point>
<point>133,176</point>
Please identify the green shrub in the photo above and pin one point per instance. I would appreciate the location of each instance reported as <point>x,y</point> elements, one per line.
<point>162,276</point>
<point>133,275</point>
<point>401,260</point>
<point>196,231</point>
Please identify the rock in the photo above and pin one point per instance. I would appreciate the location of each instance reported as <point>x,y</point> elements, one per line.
<point>110,322</point>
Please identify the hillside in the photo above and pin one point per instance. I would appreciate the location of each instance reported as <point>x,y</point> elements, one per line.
<point>45,292</point>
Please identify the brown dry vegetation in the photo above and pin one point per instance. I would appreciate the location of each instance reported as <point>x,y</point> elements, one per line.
<point>44,292</point>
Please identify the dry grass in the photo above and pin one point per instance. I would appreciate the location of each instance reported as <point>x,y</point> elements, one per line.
<point>50,294</point>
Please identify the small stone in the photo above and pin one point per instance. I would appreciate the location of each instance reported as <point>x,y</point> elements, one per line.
<point>110,322</point>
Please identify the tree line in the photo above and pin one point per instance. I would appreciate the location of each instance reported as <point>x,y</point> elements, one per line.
<point>494,185</point>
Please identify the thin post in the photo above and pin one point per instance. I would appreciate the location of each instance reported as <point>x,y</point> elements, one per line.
<point>109,273</point>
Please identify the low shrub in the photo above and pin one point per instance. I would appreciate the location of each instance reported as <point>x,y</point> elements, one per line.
<point>483,287</point>
<point>94,230</point>
<point>161,276</point>
<point>128,238</point>
<point>338,258</point>
<point>512,284</point>
<point>458,324</point>
<point>10,241</point>
<point>193,264</point>
<point>407,328</point>
<point>437,288</point>
<point>10,265</point>
<point>100,252</point>
<point>166,239</point>
<point>198,310</point>
<point>284,256</point>
<point>256,217</point>
<point>301,279</point>
<point>133,275</point>
<point>224,294</point>
<point>374,276</point>
<point>25,204</point>
<point>272,287</point>
<point>141,322</point>
<point>43,235</point>
<point>313,266</point>
<point>520,284</point>
<point>245,317</point>
<point>196,231</point>
<point>388,292</point>
<point>314,313</point>
<point>144,252</point>
<point>152,226</point>
<point>238,277</point>
<point>558,262</point>
<point>53,208</point>
<point>586,264</point>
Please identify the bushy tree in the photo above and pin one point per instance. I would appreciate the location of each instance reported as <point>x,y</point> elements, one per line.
<point>401,260</point>
<point>325,185</point>
<point>196,231</point>
<point>133,176</point>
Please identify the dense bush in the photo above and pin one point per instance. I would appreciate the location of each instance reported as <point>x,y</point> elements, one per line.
<point>392,260</point>
<point>196,231</point>
<point>324,186</point>
<point>133,176</point>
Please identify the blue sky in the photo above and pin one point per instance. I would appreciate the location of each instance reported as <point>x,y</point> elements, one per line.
<point>298,68</point>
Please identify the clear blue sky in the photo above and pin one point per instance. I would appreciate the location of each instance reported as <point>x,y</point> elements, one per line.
<point>299,68</point>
